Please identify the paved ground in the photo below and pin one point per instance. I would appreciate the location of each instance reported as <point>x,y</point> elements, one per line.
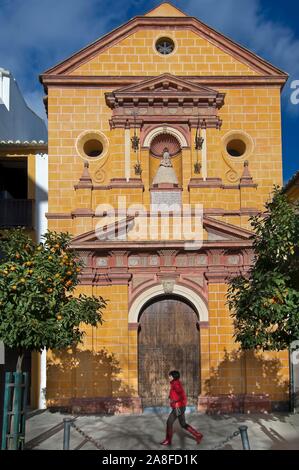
<point>144,432</point>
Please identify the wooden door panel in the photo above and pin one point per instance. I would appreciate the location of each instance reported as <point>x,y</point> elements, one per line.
<point>168,340</point>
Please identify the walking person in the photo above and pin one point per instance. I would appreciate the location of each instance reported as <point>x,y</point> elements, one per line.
<point>178,402</point>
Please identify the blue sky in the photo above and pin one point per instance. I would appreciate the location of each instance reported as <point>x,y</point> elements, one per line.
<point>37,34</point>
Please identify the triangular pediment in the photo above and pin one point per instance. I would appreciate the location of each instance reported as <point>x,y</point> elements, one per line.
<point>218,232</point>
<point>163,17</point>
<point>166,83</point>
<point>165,86</point>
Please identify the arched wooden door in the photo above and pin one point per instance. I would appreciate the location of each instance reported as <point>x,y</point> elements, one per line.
<point>168,340</point>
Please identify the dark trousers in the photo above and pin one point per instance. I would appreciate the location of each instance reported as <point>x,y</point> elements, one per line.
<point>173,416</point>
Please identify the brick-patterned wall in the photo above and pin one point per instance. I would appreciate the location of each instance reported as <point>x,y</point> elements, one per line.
<point>233,372</point>
<point>135,55</point>
<point>105,365</point>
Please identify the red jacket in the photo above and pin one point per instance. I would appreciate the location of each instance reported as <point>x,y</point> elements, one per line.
<point>177,394</point>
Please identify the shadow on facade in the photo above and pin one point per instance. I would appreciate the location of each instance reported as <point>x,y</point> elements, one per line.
<point>85,381</point>
<point>242,383</point>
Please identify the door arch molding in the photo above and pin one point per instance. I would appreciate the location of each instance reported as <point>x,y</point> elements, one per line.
<point>156,291</point>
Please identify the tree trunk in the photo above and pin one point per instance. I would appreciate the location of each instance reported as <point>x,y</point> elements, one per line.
<point>19,361</point>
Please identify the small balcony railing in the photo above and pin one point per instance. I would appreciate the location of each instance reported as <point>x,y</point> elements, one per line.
<point>16,213</point>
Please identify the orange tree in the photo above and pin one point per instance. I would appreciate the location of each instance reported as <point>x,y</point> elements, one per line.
<point>37,307</point>
<point>265,304</point>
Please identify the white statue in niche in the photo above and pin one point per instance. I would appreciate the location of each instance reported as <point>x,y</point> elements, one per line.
<point>166,161</point>
<point>165,172</point>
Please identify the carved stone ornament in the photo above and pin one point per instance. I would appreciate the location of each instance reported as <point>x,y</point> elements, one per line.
<point>168,285</point>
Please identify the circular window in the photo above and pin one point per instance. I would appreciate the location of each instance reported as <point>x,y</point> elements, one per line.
<point>236,147</point>
<point>93,148</point>
<point>165,46</point>
<point>237,144</point>
<point>92,145</point>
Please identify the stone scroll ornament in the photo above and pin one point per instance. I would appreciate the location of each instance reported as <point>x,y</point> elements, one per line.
<point>231,174</point>
<point>99,175</point>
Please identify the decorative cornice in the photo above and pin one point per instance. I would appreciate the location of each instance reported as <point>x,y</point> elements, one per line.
<point>98,187</point>
<point>82,212</point>
<point>205,121</point>
<point>143,22</point>
<point>207,183</point>
<point>213,212</point>
<point>217,183</point>
<point>124,183</point>
<point>132,183</point>
<point>106,81</point>
<point>156,245</point>
<point>58,215</point>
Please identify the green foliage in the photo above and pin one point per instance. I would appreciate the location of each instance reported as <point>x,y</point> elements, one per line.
<point>37,307</point>
<point>265,304</point>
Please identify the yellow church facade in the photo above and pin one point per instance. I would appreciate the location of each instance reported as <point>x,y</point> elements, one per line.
<point>163,112</point>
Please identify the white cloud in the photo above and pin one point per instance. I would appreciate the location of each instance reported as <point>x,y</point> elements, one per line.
<point>37,34</point>
<point>245,22</point>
